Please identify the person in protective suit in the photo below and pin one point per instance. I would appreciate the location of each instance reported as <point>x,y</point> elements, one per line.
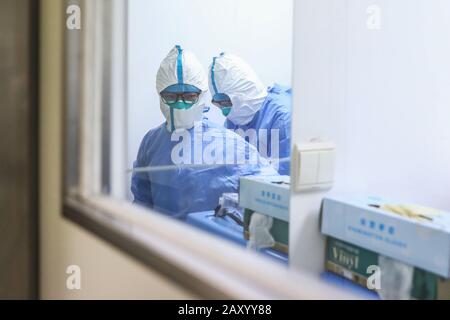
<point>187,163</point>
<point>248,105</point>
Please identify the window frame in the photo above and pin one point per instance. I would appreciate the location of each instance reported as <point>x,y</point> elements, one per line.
<point>199,262</point>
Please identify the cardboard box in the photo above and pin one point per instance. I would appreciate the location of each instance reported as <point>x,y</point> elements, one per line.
<point>352,262</point>
<point>268,195</point>
<point>422,244</point>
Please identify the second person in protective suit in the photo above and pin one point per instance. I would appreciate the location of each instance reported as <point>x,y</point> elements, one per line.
<point>248,105</point>
<point>159,181</point>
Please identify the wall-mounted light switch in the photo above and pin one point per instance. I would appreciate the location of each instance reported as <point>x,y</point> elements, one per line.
<point>314,164</point>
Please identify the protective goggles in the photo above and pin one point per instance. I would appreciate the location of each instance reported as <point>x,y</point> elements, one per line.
<point>222,100</point>
<point>180,92</point>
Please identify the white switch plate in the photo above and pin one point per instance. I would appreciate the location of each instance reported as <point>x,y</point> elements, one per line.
<point>313,165</point>
<point>325,172</point>
<point>309,167</point>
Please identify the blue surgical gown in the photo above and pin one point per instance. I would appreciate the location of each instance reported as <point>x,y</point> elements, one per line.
<point>275,113</point>
<point>182,189</point>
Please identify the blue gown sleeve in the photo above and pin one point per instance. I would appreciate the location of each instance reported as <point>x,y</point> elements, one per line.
<point>141,186</point>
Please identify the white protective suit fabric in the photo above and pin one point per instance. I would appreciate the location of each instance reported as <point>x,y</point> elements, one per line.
<point>237,79</point>
<point>181,67</point>
<point>396,279</point>
<point>259,229</point>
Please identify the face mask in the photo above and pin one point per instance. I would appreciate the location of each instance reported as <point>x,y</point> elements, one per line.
<point>244,109</point>
<point>181,105</point>
<point>180,116</point>
<point>226,111</point>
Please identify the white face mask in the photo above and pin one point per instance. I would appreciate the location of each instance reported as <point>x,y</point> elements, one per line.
<point>182,118</point>
<point>243,109</point>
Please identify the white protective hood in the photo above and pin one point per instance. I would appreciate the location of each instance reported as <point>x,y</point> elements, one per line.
<point>182,67</point>
<point>229,74</point>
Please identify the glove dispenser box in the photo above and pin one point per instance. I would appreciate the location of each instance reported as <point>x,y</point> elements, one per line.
<point>269,196</point>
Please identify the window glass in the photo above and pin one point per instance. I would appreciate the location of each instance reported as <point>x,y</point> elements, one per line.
<point>208,102</point>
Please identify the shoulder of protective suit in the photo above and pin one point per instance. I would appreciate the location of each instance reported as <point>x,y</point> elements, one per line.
<point>279,107</point>
<point>280,89</point>
<point>152,133</point>
<point>280,104</point>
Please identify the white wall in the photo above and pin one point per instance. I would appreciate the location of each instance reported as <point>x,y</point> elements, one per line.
<point>106,273</point>
<point>398,102</point>
<point>260,31</point>
<point>383,97</point>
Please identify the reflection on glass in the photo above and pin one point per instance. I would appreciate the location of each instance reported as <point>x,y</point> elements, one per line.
<point>217,121</point>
